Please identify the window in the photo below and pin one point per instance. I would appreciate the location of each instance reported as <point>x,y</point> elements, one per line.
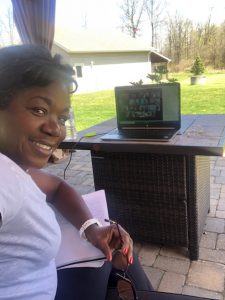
<point>79,71</point>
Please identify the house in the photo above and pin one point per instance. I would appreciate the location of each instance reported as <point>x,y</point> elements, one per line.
<point>104,60</point>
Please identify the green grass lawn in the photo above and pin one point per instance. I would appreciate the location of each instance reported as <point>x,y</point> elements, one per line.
<point>203,99</point>
<point>93,108</point>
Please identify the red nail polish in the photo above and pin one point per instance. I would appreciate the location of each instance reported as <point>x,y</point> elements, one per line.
<point>125,250</point>
<point>131,260</point>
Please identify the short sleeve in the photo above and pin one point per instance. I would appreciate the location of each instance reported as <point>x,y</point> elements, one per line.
<point>10,189</point>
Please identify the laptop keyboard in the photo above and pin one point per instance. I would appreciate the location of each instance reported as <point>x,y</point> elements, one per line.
<point>151,134</point>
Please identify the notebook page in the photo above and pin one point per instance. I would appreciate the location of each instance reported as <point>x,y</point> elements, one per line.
<point>73,248</point>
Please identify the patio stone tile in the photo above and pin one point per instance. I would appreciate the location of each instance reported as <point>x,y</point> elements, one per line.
<point>88,180</point>
<point>148,254</point>
<point>212,255</point>
<point>214,201</point>
<point>194,291</point>
<point>154,275</point>
<point>172,282</point>
<point>214,225</point>
<point>208,240</point>
<point>217,167</point>
<point>220,214</point>
<point>221,204</point>
<point>212,179</point>
<point>215,186</point>
<point>221,242</point>
<point>206,275</point>
<point>77,167</point>
<point>220,179</point>
<point>212,212</point>
<point>221,200</point>
<point>86,168</point>
<point>220,162</point>
<point>214,193</point>
<point>215,172</point>
<point>212,165</point>
<point>172,264</point>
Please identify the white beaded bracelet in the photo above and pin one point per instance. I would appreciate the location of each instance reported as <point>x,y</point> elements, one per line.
<point>86,225</point>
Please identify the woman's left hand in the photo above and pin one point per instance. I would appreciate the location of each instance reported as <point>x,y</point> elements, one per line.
<point>109,238</point>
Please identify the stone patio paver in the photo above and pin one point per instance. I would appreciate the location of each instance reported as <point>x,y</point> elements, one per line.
<point>172,281</point>
<point>215,225</point>
<point>148,254</point>
<point>214,280</point>
<point>221,242</point>
<point>180,266</point>
<point>212,255</point>
<point>208,240</point>
<point>154,275</point>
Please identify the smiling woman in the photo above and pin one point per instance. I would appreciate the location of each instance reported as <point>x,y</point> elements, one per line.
<point>35,123</point>
<point>35,104</point>
<point>34,107</point>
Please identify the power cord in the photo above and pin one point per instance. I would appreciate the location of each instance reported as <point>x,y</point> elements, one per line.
<point>73,149</point>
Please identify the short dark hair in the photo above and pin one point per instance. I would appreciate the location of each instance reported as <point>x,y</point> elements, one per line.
<point>24,66</point>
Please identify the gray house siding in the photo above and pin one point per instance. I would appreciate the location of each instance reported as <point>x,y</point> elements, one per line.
<point>105,70</point>
<point>103,60</point>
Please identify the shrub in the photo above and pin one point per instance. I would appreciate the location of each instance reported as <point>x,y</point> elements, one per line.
<point>138,83</point>
<point>198,67</point>
<point>172,79</point>
<point>154,77</point>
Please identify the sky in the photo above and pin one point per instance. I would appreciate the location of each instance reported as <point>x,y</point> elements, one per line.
<point>199,10</point>
<point>106,14</point>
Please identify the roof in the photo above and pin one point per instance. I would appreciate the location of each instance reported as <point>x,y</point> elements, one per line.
<point>86,41</point>
<point>158,58</point>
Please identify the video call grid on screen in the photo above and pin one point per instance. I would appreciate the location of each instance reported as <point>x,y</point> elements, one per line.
<point>148,105</point>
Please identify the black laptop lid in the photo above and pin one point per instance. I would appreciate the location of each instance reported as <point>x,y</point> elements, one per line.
<point>148,106</point>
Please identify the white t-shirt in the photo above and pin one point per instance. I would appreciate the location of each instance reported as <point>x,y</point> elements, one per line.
<point>29,237</point>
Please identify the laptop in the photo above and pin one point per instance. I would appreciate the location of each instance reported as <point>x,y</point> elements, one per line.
<point>147,112</point>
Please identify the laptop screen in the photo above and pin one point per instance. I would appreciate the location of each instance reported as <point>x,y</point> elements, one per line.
<point>153,105</point>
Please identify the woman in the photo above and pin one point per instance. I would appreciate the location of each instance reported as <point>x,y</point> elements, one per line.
<point>34,106</point>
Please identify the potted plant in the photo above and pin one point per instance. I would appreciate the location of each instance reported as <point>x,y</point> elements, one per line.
<point>198,69</point>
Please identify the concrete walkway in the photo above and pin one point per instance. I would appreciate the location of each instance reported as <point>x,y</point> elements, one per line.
<point>169,269</point>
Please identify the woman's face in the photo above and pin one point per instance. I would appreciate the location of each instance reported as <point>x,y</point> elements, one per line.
<point>33,124</point>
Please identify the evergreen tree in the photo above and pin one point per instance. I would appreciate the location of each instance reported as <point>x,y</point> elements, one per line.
<point>198,67</point>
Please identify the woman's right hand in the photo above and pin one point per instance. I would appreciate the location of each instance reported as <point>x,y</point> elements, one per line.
<point>108,239</point>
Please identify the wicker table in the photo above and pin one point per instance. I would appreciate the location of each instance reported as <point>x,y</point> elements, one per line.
<point>159,191</point>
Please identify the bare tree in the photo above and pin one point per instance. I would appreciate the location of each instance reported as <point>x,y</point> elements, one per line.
<point>132,13</point>
<point>155,11</point>
<point>178,37</point>
<point>7,28</point>
<point>185,40</point>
